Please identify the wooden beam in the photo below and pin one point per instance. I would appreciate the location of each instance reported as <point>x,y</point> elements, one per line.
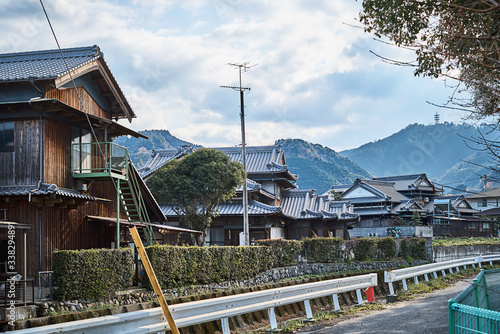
<point>152,279</point>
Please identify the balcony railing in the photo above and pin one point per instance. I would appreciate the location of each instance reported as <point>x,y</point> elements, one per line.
<point>97,160</point>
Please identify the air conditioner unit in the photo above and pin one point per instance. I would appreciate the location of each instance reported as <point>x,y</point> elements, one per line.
<point>426,199</point>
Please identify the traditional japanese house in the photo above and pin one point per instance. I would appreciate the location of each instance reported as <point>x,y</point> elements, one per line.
<point>311,215</point>
<point>454,216</point>
<point>379,204</point>
<point>416,186</point>
<point>274,211</point>
<point>63,183</point>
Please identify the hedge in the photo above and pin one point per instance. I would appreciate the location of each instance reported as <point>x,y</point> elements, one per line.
<point>180,266</point>
<point>283,252</point>
<point>386,248</point>
<point>91,274</point>
<point>324,250</point>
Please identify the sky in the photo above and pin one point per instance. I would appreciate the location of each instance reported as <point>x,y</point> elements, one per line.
<point>312,76</point>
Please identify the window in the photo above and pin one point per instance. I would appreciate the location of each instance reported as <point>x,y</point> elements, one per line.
<point>472,225</point>
<point>486,226</point>
<point>6,136</point>
<point>482,203</point>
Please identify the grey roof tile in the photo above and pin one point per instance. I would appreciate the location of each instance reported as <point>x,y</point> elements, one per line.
<point>46,64</point>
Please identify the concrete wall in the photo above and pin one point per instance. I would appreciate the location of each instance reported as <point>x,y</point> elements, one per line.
<point>442,253</point>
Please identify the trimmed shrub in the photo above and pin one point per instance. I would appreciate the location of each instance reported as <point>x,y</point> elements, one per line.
<point>404,248</point>
<point>91,274</point>
<point>324,250</point>
<point>181,266</point>
<point>283,252</point>
<point>387,248</point>
<point>363,248</point>
<point>418,248</point>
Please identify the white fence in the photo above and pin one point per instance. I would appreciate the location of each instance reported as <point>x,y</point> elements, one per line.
<point>413,272</point>
<point>199,312</point>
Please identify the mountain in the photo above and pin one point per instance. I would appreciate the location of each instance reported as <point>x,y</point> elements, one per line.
<point>442,151</point>
<point>319,167</point>
<point>140,149</point>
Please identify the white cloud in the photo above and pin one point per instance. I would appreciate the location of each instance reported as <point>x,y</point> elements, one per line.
<point>315,77</point>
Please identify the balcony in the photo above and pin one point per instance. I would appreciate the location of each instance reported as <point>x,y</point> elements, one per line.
<point>99,161</point>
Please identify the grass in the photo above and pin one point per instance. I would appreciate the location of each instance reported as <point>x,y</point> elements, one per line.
<point>465,241</point>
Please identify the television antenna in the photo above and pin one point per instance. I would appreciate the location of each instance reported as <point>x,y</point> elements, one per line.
<point>243,67</point>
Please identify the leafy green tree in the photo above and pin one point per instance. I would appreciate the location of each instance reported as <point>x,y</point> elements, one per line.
<point>196,185</point>
<point>415,219</point>
<point>458,39</point>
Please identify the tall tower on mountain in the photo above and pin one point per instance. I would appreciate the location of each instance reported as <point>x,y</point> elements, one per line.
<point>436,117</point>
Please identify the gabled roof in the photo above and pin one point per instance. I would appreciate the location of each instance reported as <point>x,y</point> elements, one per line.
<point>370,191</point>
<point>162,156</point>
<point>260,159</point>
<point>50,65</point>
<point>411,182</point>
<point>456,203</point>
<point>307,204</point>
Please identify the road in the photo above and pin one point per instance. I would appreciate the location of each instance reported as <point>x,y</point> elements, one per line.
<point>425,314</point>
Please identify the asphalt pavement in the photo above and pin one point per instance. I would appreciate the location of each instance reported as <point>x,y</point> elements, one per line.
<point>424,314</point>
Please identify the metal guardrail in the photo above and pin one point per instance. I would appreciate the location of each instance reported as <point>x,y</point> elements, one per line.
<point>198,312</point>
<point>413,272</point>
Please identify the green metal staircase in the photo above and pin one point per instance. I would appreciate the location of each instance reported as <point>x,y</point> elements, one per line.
<point>133,203</point>
<point>107,161</point>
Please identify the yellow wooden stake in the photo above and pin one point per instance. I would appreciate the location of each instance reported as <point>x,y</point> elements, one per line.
<point>152,279</point>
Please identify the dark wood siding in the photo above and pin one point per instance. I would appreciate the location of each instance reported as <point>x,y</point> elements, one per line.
<point>22,167</point>
<point>57,157</point>
<point>70,97</point>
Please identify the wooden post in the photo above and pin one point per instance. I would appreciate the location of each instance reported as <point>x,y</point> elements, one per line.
<point>152,279</point>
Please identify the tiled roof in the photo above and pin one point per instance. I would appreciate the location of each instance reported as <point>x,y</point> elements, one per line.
<point>43,189</point>
<point>260,159</point>
<point>160,157</point>
<point>409,182</point>
<point>47,64</point>
<point>307,204</point>
<point>233,208</point>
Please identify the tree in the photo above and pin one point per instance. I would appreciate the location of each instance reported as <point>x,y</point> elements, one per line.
<point>458,39</point>
<point>196,185</point>
<point>415,219</point>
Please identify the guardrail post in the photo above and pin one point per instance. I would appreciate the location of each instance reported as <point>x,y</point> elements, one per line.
<point>415,279</point>
<point>435,274</point>
<point>465,266</point>
<point>336,302</point>
<point>358,294</point>
<point>491,263</point>
<point>225,326</point>
<point>391,288</point>
<point>457,269</point>
<point>272,318</point>
<point>473,265</point>
<point>426,278</point>
<point>451,270</point>
<point>443,272</point>
<point>405,287</point>
<point>309,313</point>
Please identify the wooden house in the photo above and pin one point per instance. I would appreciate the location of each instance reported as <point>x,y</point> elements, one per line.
<point>63,183</point>
<point>275,206</point>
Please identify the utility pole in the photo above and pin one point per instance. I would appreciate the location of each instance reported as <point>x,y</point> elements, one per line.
<point>243,67</point>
